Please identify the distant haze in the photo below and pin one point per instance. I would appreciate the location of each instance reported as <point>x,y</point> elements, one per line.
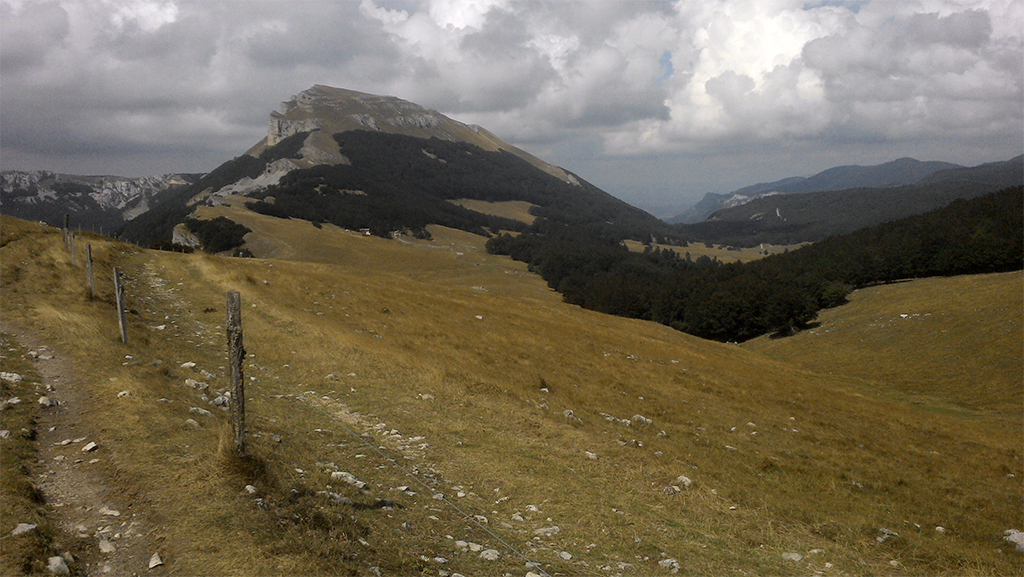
<point>655,102</point>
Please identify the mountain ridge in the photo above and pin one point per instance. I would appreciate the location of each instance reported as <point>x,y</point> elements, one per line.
<point>899,172</point>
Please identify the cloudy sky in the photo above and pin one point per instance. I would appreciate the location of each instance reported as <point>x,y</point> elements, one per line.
<point>657,102</point>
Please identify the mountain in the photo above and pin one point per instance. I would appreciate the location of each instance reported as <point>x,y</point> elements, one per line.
<point>362,161</point>
<point>93,202</point>
<point>899,172</point>
<point>813,216</point>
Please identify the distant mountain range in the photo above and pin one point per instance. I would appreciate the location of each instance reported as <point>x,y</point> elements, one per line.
<point>899,172</point>
<point>812,216</point>
<point>363,161</point>
<point>92,202</point>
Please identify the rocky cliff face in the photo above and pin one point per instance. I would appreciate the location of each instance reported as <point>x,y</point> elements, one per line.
<point>92,201</point>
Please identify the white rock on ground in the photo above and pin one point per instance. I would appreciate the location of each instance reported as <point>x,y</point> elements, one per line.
<point>670,564</point>
<point>23,528</point>
<point>684,481</point>
<point>155,561</point>
<point>107,546</point>
<point>547,531</point>
<point>57,566</point>
<point>1016,538</point>
<point>795,557</point>
<point>489,555</point>
<point>90,447</point>
<point>10,377</point>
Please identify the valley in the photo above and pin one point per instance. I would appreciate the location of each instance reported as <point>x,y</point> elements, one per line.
<point>485,415</point>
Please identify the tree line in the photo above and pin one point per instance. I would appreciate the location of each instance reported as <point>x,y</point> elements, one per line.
<point>778,294</point>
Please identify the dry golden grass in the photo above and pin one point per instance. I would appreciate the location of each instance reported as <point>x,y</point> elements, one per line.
<point>512,209</point>
<point>946,342</point>
<point>477,360</point>
<point>723,253</point>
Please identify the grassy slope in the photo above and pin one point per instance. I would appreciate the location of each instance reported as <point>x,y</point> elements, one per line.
<point>438,340</point>
<point>939,341</point>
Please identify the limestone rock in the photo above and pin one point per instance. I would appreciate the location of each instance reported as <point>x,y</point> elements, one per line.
<point>57,566</point>
<point>155,561</point>
<point>1016,538</point>
<point>23,528</point>
<point>489,555</point>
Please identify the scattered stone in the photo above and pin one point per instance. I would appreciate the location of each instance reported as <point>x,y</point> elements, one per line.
<point>331,377</point>
<point>57,566</point>
<point>940,530</point>
<point>490,555</point>
<point>670,490</point>
<point>670,564</point>
<point>107,546</point>
<point>5,434</point>
<point>192,423</point>
<point>794,557</point>
<point>886,534</point>
<point>200,412</point>
<point>11,377</point>
<point>684,481</point>
<point>591,456</point>
<point>250,489</point>
<point>188,365</point>
<point>222,401</point>
<point>123,394</point>
<point>46,401</point>
<point>547,531</point>
<point>207,375</point>
<point>23,528</point>
<point>440,560</point>
<point>565,555</point>
<point>475,547</point>
<point>348,478</point>
<point>90,447</point>
<point>155,561</point>
<point>274,438</point>
<point>517,517</point>
<point>642,420</point>
<point>1016,538</point>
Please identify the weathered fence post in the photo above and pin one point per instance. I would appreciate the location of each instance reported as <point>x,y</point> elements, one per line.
<point>88,270</point>
<point>71,247</point>
<point>119,294</point>
<point>67,218</point>
<point>236,355</point>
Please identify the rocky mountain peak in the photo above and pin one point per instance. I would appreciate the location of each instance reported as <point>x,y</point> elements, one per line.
<point>324,111</point>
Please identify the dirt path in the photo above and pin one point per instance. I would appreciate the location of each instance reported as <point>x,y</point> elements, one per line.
<point>112,532</point>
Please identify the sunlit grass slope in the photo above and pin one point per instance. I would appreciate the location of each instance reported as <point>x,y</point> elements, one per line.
<point>946,342</point>
<point>471,374</point>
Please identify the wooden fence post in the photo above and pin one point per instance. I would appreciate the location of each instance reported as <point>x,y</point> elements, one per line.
<point>88,270</point>
<point>71,247</point>
<point>119,293</point>
<point>236,356</point>
<point>67,218</point>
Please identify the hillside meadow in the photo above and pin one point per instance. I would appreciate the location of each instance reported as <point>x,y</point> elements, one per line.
<point>485,414</point>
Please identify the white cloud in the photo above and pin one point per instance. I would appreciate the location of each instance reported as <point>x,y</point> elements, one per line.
<point>609,79</point>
